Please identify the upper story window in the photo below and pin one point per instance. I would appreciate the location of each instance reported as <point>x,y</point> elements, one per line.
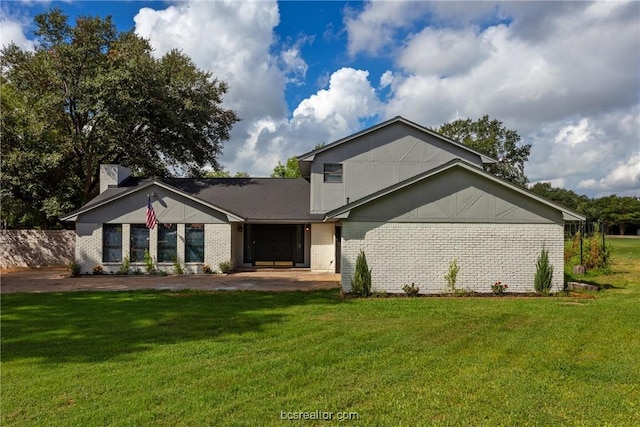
<point>332,172</point>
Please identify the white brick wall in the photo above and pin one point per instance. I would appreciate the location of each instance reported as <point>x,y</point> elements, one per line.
<point>322,247</point>
<point>89,247</point>
<point>402,253</point>
<point>217,244</point>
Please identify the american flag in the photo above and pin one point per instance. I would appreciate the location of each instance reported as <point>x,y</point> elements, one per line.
<point>151,215</point>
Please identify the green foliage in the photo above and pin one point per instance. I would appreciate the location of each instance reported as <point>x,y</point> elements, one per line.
<point>361,281</point>
<point>125,268</point>
<point>411,290</point>
<point>290,170</point>
<point>148,262</point>
<point>614,210</point>
<point>225,267</point>
<point>206,269</point>
<point>566,198</point>
<point>544,273</point>
<point>594,254</point>
<point>224,174</point>
<point>499,288</point>
<point>74,268</point>
<point>493,139</point>
<point>177,266</point>
<point>89,95</point>
<point>451,277</point>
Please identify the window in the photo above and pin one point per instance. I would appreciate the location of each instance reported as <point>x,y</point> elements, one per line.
<point>194,243</point>
<point>332,172</point>
<point>111,243</point>
<point>139,242</point>
<point>167,242</point>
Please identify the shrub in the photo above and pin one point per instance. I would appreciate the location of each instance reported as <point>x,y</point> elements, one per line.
<point>361,281</point>
<point>97,269</point>
<point>544,273</point>
<point>499,288</point>
<point>594,254</point>
<point>126,266</point>
<point>206,269</point>
<point>148,262</point>
<point>411,290</point>
<point>177,267</point>
<point>225,267</point>
<point>74,268</point>
<point>452,276</point>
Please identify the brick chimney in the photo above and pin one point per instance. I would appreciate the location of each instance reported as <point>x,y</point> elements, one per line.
<point>112,175</point>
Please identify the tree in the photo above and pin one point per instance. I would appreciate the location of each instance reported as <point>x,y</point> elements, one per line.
<point>225,174</point>
<point>93,95</point>
<point>290,170</point>
<point>562,196</point>
<point>614,210</point>
<point>490,137</point>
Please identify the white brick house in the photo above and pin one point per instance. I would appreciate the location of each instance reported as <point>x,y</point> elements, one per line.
<point>411,199</point>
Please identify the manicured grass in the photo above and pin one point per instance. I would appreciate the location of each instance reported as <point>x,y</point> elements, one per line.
<point>240,358</point>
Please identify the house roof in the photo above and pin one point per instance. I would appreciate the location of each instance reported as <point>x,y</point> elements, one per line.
<point>343,211</point>
<point>307,157</point>
<point>241,199</point>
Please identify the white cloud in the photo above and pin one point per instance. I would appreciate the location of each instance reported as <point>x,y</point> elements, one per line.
<point>624,178</point>
<point>13,30</point>
<point>565,75</point>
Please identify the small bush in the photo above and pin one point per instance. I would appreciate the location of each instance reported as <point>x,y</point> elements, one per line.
<point>452,276</point>
<point>148,262</point>
<point>74,268</point>
<point>594,254</point>
<point>97,269</point>
<point>177,267</point>
<point>361,282</point>
<point>499,288</point>
<point>544,273</point>
<point>411,290</point>
<point>126,266</point>
<point>225,267</point>
<point>206,269</point>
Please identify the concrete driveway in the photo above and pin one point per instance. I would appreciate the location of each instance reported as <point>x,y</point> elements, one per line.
<point>57,279</point>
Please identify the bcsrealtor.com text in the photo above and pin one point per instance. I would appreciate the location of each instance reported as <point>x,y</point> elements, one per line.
<point>319,415</point>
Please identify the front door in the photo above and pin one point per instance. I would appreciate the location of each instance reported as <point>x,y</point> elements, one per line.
<point>274,244</point>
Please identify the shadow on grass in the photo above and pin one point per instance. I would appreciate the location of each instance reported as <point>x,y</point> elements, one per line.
<point>98,326</point>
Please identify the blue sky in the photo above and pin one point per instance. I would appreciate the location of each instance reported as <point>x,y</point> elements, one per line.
<point>565,75</point>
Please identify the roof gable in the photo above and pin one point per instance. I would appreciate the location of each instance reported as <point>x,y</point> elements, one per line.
<point>456,192</point>
<point>309,157</point>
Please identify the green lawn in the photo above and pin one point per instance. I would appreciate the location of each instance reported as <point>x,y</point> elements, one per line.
<point>240,358</point>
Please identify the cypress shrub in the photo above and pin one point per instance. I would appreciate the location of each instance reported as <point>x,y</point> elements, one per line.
<point>544,273</point>
<point>361,282</point>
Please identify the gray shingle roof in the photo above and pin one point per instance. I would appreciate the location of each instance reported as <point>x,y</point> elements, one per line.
<point>254,199</point>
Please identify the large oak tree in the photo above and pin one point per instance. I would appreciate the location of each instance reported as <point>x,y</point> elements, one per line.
<point>490,137</point>
<point>89,95</point>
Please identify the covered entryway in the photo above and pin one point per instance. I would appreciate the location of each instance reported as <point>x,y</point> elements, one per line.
<point>274,245</point>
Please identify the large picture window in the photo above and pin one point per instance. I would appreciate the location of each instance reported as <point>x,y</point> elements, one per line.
<point>167,242</point>
<point>139,242</point>
<point>332,172</point>
<point>111,243</point>
<point>194,243</point>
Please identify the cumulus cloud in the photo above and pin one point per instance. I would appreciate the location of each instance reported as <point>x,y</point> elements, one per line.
<point>564,75</point>
<point>13,31</point>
